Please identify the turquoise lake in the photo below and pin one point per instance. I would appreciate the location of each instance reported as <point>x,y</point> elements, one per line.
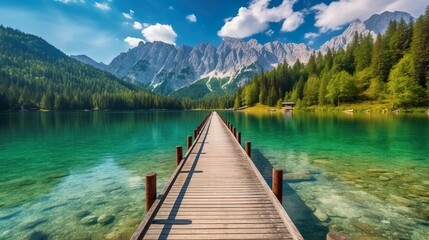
<point>80,175</point>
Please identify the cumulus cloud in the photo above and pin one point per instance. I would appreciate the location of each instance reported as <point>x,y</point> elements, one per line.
<point>191,18</point>
<point>160,32</point>
<point>256,18</point>
<point>133,42</point>
<point>339,13</point>
<point>128,15</point>
<point>292,22</point>
<point>102,6</point>
<point>269,32</point>
<point>138,26</point>
<point>311,35</point>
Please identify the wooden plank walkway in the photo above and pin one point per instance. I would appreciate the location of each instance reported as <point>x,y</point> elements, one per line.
<point>216,193</point>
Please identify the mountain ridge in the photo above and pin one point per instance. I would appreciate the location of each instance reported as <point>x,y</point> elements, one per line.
<point>165,68</point>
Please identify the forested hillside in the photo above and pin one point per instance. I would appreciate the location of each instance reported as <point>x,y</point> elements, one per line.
<point>393,68</point>
<point>35,74</point>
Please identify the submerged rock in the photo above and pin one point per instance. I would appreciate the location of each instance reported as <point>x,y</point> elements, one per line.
<point>337,236</point>
<point>89,220</point>
<point>321,215</point>
<point>419,190</point>
<point>383,178</point>
<point>370,238</point>
<point>58,175</point>
<point>401,200</point>
<point>366,228</point>
<point>105,219</point>
<point>37,235</point>
<point>82,214</point>
<point>297,177</point>
<point>322,161</point>
<point>33,223</point>
<point>376,170</point>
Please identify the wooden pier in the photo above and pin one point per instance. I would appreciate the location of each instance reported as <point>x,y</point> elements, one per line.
<point>216,192</point>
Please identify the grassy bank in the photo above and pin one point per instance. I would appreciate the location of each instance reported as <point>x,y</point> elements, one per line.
<point>356,107</point>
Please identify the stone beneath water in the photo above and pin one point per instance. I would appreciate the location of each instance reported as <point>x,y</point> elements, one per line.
<point>82,214</point>
<point>419,190</point>
<point>297,176</point>
<point>37,235</point>
<point>321,215</point>
<point>33,223</point>
<point>337,236</point>
<point>105,219</point>
<point>89,220</point>
<point>58,175</point>
<point>370,238</point>
<point>322,161</point>
<point>401,200</point>
<point>366,228</point>
<point>376,170</point>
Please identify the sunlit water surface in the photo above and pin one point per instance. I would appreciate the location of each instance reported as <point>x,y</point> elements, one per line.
<point>80,175</point>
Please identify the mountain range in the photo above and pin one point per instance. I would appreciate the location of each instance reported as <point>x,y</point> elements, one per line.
<point>206,70</point>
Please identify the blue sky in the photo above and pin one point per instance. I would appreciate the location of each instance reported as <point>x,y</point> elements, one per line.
<point>102,29</point>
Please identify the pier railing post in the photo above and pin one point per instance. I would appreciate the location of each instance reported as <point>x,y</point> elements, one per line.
<point>150,189</point>
<point>179,155</point>
<point>277,185</point>
<point>189,142</point>
<point>234,132</point>
<point>195,134</point>
<point>239,137</point>
<point>248,149</point>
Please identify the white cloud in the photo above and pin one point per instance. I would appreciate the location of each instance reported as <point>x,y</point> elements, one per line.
<point>133,42</point>
<point>128,15</point>
<point>102,6</point>
<point>256,18</point>
<point>70,1</point>
<point>171,8</point>
<point>293,22</point>
<point>191,18</point>
<point>138,26</point>
<point>160,32</point>
<point>339,13</point>
<point>269,32</point>
<point>311,35</point>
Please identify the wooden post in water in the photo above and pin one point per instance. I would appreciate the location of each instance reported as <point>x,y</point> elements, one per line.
<point>239,137</point>
<point>248,149</point>
<point>195,134</point>
<point>277,185</point>
<point>150,189</point>
<point>179,155</point>
<point>189,142</point>
<point>234,132</point>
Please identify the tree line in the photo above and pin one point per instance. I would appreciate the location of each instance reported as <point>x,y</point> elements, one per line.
<point>34,74</point>
<point>393,67</point>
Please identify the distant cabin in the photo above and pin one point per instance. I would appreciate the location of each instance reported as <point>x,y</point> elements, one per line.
<point>288,106</point>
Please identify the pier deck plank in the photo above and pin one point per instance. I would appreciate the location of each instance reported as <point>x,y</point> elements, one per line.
<point>218,194</point>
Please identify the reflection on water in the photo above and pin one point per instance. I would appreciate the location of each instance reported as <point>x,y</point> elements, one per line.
<point>364,174</point>
<point>77,175</point>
